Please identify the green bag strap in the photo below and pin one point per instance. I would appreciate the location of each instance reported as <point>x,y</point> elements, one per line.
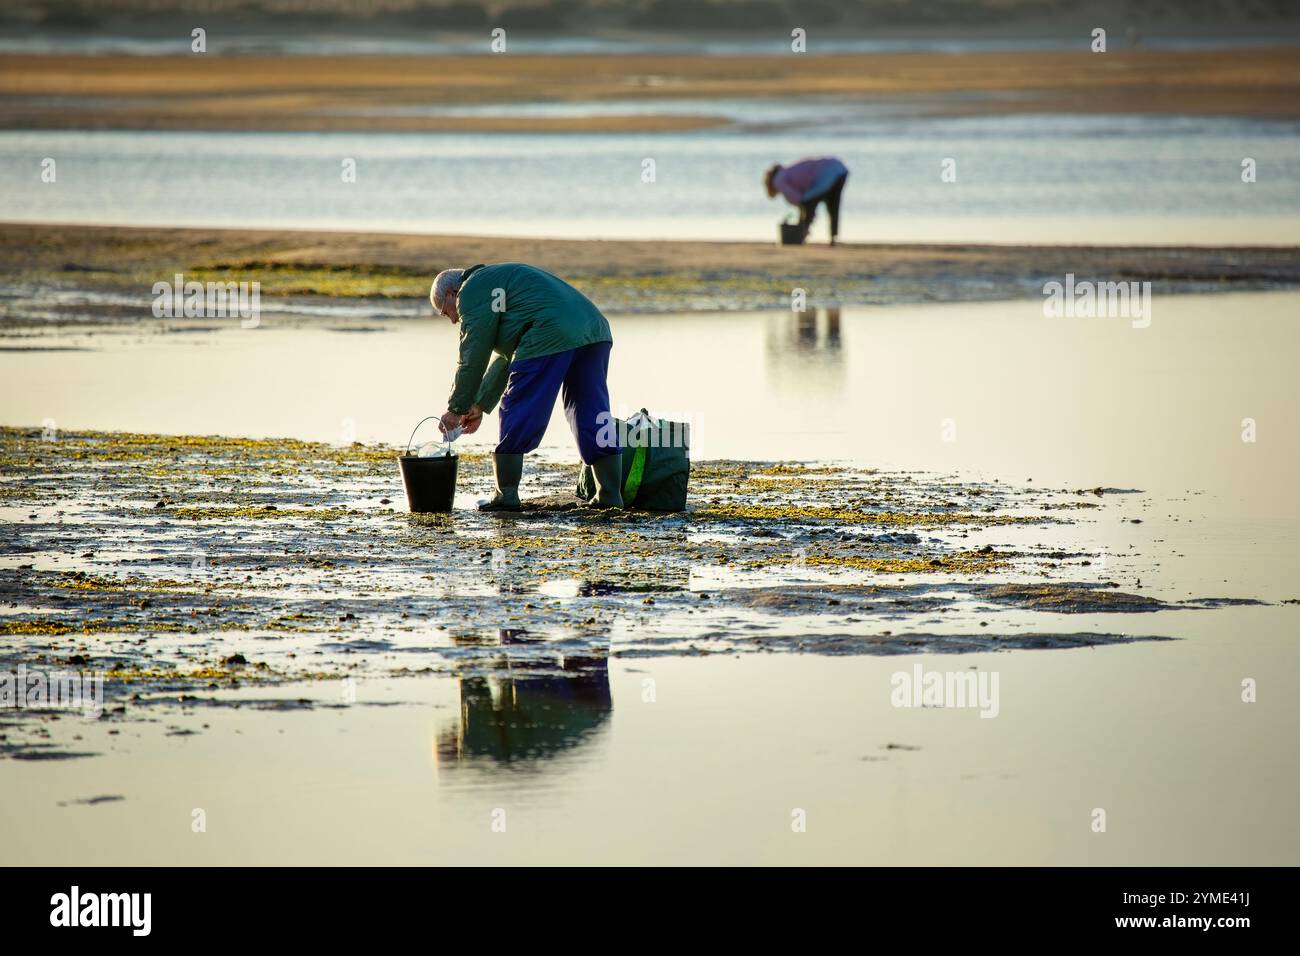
<point>633,483</point>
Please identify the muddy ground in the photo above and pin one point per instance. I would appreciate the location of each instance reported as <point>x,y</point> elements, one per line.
<point>178,567</point>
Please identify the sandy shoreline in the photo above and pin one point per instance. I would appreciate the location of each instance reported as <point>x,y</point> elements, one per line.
<point>351,93</point>
<point>636,276</point>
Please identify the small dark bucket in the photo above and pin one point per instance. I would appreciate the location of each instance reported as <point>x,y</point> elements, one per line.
<point>793,234</point>
<point>430,483</point>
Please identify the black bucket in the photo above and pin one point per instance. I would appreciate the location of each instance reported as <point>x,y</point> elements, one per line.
<point>430,483</point>
<point>793,233</point>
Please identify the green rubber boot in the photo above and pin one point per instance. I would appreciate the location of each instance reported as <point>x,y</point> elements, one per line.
<point>608,472</point>
<point>508,469</point>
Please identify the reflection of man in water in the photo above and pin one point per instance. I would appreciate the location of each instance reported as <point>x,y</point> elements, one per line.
<point>808,183</point>
<point>527,716</point>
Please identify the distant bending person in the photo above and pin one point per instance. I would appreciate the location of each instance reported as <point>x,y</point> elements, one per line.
<point>807,183</point>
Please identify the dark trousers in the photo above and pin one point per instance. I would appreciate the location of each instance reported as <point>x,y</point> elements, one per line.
<point>530,395</point>
<point>808,209</point>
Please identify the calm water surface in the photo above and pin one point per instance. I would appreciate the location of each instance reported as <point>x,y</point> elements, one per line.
<point>1021,178</point>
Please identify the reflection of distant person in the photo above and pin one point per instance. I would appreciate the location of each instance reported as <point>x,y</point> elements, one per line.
<point>818,331</point>
<point>807,183</point>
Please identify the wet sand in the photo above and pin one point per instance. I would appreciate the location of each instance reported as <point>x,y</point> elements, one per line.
<point>623,276</point>
<point>351,93</point>
<point>184,565</point>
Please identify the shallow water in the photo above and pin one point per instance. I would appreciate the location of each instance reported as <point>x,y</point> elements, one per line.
<point>713,769</point>
<point>1020,178</point>
<point>239,37</point>
<point>588,767</point>
<point>1073,402</point>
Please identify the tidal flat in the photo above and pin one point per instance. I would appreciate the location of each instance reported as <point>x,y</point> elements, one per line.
<point>182,565</point>
<point>298,670</point>
<point>959,575</point>
<point>328,679</point>
<point>59,277</point>
<point>404,93</point>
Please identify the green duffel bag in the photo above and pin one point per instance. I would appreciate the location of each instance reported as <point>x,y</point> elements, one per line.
<point>656,464</point>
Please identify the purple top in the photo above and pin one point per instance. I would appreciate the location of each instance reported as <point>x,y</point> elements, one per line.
<point>808,178</point>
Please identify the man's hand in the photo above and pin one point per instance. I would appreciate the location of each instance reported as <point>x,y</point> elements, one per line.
<point>472,420</point>
<point>450,421</point>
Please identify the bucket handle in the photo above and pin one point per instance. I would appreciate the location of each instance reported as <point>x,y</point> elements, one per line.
<point>416,429</point>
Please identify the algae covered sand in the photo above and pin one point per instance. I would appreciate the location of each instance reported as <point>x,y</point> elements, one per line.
<point>91,275</point>
<point>180,565</point>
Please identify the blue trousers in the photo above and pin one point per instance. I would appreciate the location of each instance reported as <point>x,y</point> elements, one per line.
<point>530,395</point>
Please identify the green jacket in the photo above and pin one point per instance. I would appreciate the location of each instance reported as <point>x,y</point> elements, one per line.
<point>519,312</point>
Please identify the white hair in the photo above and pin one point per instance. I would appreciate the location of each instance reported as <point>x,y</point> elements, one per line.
<point>448,280</point>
